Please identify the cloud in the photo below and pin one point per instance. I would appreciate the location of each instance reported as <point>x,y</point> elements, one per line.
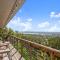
<point>54,15</point>
<point>48,27</point>
<point>43,24</point>
<point>18,24</point>
<point>29,20</point>
<point>54,28</point>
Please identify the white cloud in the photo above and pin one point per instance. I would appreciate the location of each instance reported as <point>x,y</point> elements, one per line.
<point>53,14</point>
<point>22,25</point>
<point>43,24</point>
<point>29,20</point>
<point>18,24</point>
<point>54,28</point>
<point>27,26</point>
<point>48,27</point>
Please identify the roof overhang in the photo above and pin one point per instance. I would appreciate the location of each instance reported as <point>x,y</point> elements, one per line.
<point>8,9</point>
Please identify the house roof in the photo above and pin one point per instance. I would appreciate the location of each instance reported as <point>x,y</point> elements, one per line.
<point>8,9</point>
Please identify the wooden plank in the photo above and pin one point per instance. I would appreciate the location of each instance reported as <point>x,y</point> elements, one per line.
<point>13,53</point>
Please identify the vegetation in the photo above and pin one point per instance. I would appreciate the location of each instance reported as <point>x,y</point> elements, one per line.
<point>51,41</point>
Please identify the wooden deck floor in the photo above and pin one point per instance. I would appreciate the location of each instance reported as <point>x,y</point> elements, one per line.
<point>15,55</point>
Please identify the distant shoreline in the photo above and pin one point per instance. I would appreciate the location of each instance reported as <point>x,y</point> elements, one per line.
<point>43,33</point>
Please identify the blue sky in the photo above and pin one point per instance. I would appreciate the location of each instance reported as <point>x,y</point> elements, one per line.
<point>37,15</point>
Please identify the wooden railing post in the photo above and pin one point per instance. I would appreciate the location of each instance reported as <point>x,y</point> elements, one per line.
<point>30,52</point>
<point>52,56</point>
<point>13,41</point>
<point>21,48</point>
<point>17,44</point>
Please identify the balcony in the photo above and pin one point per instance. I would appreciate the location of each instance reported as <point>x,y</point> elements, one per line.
<point>31,51</point>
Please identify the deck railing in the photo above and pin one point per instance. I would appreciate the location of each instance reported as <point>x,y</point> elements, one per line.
<point>34,51</point>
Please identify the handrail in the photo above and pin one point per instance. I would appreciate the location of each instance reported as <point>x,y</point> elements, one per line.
<point>53,53</point>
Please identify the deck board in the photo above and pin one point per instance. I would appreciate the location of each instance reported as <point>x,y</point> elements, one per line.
<point>15,55</point>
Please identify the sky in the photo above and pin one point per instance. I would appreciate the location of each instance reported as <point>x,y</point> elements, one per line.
<point>37,16</point>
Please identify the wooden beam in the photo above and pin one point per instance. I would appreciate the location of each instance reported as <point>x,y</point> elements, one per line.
<point>8,9</point>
